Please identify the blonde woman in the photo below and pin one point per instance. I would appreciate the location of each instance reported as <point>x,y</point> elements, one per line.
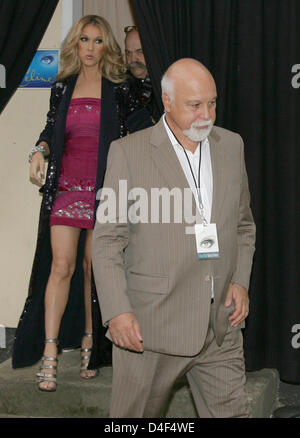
<point>85,115</point>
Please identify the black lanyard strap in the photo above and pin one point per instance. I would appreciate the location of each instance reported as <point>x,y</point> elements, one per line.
<point>192,172</point>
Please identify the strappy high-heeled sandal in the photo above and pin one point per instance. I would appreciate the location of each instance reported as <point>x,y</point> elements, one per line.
<point>85,354</point>
<point>48,377</point>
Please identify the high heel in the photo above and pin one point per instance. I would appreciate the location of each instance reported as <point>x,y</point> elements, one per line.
<point>48,377</point>
<point>85,354</point>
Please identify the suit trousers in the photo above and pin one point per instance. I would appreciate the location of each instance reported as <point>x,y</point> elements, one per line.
<point>143,382</point>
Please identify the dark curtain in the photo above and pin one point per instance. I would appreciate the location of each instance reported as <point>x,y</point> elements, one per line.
<point>252,49</point>
<point>22,26</point>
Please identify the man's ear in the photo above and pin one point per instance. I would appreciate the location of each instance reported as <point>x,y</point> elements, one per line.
<point>167,102</point>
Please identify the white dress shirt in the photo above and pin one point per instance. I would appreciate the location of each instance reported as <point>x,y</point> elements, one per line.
<point>206,179</point>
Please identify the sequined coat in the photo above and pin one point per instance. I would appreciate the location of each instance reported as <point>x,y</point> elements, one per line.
<point>142,88</point>
<point>121,113</point>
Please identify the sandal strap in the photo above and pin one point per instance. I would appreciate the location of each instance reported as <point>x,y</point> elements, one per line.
<point>49,341</point>
<point>85,358</point>
<point>48,367</point>
<point>48,375</point>
<point>53,359</point>
<point>46,379</point>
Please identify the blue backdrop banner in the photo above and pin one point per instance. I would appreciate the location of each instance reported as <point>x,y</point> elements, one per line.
<point>42,70</point>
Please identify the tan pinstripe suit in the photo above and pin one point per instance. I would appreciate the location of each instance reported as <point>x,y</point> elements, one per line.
<point>158,277</point>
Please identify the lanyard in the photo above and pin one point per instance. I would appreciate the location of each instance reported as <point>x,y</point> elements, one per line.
<point>201,206</point>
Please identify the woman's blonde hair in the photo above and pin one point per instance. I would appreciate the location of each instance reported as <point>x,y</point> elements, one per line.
<point>111,64</point>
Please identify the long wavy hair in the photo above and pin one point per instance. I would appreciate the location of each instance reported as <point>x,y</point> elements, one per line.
<point>111,64</point>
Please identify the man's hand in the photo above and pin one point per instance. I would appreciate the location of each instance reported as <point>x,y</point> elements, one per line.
<point>239,295</point>
<point>125,332</point>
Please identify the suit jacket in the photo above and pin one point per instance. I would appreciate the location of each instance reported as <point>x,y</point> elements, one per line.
<point>152,269</point>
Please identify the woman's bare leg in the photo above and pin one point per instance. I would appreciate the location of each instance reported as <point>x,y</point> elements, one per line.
<point>64,243</point>
<point>87,268</point>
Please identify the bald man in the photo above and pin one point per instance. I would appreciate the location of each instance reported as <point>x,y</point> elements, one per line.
<point>173,293</point>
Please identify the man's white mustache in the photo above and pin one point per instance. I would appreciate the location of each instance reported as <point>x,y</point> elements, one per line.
<point>201,124</point>
<point>198,131</point>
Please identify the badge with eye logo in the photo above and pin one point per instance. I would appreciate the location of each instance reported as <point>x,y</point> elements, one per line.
<point>207,241</point>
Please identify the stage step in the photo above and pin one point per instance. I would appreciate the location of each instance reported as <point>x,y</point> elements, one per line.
<point>76,397</point>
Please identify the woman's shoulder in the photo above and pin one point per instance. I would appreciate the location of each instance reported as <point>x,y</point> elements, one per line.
<point>58,88</point>
<point>61,84</point>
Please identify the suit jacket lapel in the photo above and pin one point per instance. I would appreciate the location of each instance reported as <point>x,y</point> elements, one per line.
<point>217,161</point>
<point>165,158</point>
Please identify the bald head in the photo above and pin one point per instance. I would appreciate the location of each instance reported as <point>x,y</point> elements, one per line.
<point>188,70</point>
<point>189,97</point>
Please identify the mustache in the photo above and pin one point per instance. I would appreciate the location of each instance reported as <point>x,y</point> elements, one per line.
<point>203,123</point>
<point>136,65</point>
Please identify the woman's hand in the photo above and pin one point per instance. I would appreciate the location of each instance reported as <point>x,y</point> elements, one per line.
<point>37,168</point>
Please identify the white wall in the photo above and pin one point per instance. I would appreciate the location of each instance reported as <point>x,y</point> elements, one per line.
<point>118,13</point>
<point>71,11</point>
<point>20,124</point>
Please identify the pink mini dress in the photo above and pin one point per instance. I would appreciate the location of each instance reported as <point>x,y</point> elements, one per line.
<point>74,203</point>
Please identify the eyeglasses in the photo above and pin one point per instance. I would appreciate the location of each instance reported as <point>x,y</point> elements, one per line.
<point>128,29</point>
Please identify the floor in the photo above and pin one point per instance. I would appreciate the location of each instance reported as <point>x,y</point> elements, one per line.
<point>289,395</point>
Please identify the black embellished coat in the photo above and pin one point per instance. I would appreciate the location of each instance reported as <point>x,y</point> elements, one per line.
<point>121,113</point>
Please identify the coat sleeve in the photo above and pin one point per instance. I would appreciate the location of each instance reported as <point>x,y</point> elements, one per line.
<point>57,90</point>
<point>245,230</point>
<point>134,115</point>
<point>110,239</point>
